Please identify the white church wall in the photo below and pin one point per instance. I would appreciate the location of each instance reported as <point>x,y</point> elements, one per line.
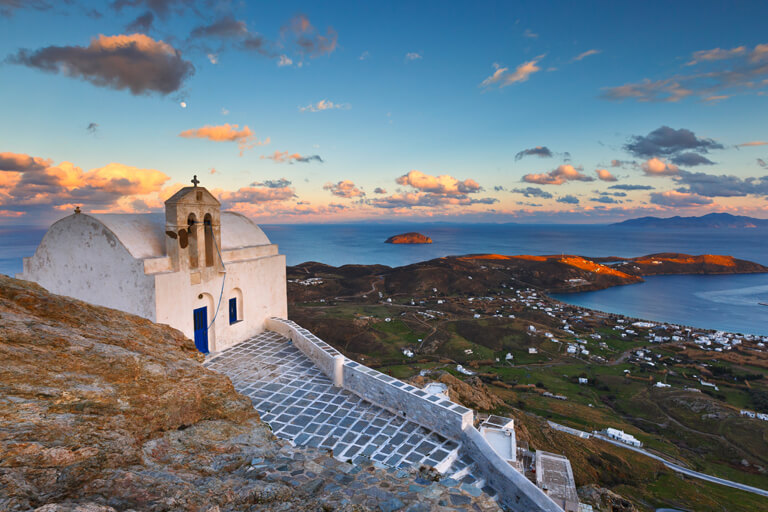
<point>261,288</point>
<point>81,258</point>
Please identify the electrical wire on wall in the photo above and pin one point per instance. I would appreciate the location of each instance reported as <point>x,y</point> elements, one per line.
<point>224,280</point>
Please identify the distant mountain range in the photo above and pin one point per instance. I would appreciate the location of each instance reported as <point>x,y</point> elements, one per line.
<point>712,220</point>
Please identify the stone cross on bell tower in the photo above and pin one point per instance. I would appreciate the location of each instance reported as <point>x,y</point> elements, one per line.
<point>195,181</point>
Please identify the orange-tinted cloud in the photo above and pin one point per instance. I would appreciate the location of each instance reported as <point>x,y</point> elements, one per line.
<point>226,133</point>
<point>563,173</point>
<point>674,199</point>
<point>345,189</point>
<point>442,184</point>
<point>503,77</point>
<point>135,62</point>
<point>605,175</point>
<point>308,39</point>
<point>658,167</point>
<point>33,183</point>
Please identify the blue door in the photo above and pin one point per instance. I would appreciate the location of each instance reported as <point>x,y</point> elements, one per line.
<point>201,329</point>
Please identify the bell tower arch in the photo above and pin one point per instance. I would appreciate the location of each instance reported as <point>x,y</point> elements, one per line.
<point>193,229</point>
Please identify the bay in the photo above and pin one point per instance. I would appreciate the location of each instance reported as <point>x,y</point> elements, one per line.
<point>719,302</point>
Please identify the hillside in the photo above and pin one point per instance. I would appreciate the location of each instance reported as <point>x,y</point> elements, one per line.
<point>103,411</point>
<point>475,274</point>
<point>711,220</point>
<point>491,315</point>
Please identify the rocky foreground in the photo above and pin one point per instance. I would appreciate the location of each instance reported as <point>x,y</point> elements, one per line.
<point>103,411</point>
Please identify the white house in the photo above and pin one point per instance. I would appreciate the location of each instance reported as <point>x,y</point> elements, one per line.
<point>213,275</point>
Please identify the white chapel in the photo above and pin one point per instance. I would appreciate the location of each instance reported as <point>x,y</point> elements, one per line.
<point>213,275</point>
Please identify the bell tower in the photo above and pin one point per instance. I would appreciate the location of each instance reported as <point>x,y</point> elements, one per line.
<point>193,232</point>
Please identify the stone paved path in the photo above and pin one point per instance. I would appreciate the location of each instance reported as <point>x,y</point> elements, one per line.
<point>301,405</point>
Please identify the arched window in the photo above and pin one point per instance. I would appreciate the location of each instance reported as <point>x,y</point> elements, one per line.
<point>192,240</point>
<point>207,223</point>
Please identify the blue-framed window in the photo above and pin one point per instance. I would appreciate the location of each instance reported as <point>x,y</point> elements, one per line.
<point>233,310</point>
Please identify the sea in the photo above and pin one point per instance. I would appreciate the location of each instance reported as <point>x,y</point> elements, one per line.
<point>724,302</point>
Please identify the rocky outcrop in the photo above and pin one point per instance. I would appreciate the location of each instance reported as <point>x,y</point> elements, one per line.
<point>103,411</point>
<point>677,263</point>
<point>409,238</point>
<point>605,500</point>
<point>473,393</point>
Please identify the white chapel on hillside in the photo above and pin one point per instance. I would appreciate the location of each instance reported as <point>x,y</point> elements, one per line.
<point>213,275</point>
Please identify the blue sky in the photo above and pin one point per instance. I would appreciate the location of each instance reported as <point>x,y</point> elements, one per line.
<point>415,109</point>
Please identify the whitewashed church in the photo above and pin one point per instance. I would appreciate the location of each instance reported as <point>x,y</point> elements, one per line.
<point>213,275</point>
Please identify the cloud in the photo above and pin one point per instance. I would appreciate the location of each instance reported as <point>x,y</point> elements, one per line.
<point>8,7</point>
<point>432,192</point>
<point>35,184</point>
<point>657,167</point>
<point>540,151</point>
<point>379,190</point>
<point>160,7</point>
<point>413,56</point>
<point>725,71</point>
<point>710,185</point>
<point>676,199</point>
<point>19,162</point>
<point>143,23</point>
<point>345,189</point>
<point>309,41</point>
<point>281,183</point>
<point>225,27</point>
<point>604,200</point>
<point>530,34</point>
<point>364,56</point>
<point>691,159</point>
<point>254,194</point>
<point>761,162</point>
<point>285,156</point>
<point>502,77</point>
<point>226,133</point>
<point>666,141</point>
<point>533,192</point>
<point>632,187</point>
<point>569,199</point>
<point>284,60</point>
<point>605,175</point>
<point>325,105</point>
<point>442,184</point>
<point>751,144</point>
<point>409,200</point>
<point>135,62</point>
<point>563,173</point>
<point>612,194</point>
<point>585,54</point>
<point>715,54</point>
<point>620,163</point>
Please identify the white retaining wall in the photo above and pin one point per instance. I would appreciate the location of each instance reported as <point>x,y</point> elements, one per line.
<point>433,412</point>
<point>515,490</point>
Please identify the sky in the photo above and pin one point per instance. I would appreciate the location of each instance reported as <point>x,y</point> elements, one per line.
<point>540,112</point>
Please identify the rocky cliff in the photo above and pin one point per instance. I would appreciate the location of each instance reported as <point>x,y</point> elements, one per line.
<point>103,411</point>
<point>409,238</point>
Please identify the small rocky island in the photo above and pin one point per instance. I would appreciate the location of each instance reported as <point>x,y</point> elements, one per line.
<point>409,238</point>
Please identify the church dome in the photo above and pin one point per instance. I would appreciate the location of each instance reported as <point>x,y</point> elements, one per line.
<point>143,234</point>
